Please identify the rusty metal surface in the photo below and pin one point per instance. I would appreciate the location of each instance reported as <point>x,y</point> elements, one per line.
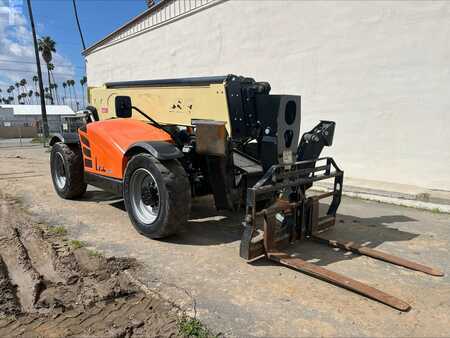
<point>211,137</point>
<point>339,280</point>
<point>356,248</point>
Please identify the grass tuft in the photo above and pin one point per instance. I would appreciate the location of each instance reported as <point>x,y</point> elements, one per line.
<point>192,327</point>
<point>40,140</point>
<point>76,244</point>
<point>59,230</point>
<point>93,253</point>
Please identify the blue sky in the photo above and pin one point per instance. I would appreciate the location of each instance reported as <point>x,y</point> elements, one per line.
<point>56,19</point>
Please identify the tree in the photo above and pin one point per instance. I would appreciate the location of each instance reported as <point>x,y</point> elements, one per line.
<point>83,81</point>
<point>72,83</point>
<point>23,84</point>
<point>47,46</point>
<point>30,95</point>
<point>70,93</point>
<point>55,87</point>
<point>46,93</point>
<point>35,81</point>
<point>65,93</point>
<point>17,85</point>
<point>9,91</point>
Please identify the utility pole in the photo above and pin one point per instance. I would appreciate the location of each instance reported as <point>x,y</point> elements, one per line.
<point>39,73</point>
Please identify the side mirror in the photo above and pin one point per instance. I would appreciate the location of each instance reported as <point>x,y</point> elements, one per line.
<point>123,106</point>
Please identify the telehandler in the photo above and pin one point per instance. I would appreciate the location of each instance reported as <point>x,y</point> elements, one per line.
<point>160,143</point>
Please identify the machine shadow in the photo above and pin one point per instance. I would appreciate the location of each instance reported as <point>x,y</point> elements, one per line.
<point>370,232</point>
<point>207,226</point>
<point>99,196</point>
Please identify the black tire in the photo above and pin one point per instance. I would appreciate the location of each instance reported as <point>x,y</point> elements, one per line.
<point>72,160</point>
<point>174,194</point>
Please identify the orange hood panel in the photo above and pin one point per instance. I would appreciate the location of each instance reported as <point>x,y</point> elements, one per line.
<point>110,139</point>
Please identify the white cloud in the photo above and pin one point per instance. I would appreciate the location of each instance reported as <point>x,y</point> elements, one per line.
<point>17,51</point>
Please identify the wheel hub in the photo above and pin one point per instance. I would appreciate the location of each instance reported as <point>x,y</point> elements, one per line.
<point>150,196</point>
<point>60,171</point>
<point>144,196</point>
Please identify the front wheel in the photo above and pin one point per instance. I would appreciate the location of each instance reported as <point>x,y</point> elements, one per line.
<point>66,165</point>
<point>157,195</point>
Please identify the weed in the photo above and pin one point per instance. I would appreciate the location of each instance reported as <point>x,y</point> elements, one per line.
<point>93,253</point>
<point>40,140</point>
<point>192,327</point>
<point>59,230</point>
<point>76,244</point>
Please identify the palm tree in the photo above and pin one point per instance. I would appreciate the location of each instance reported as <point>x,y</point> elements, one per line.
<point>37,95</point>
<point>30,95</point>
<point>16,90</point>
<point>46,46</point>
<point>35,81</point>
<point>49,98</point>
<point>9,91</point>
<point>55,87</point>
<point>23,84</point>
<point>24,97</point>
<point>72,83</point>
<point>65,93</point>
<point>70,93</point>
<point>83,81</point>
<point>17,85</point>
<point>48,95</point>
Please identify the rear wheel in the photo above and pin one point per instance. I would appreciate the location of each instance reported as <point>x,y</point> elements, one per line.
<point>66,164</point>
<point>157,195</point>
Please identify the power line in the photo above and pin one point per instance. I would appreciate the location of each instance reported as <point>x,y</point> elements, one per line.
<point>27,71</point>
<point>78,24</point>
<point>33,63</point>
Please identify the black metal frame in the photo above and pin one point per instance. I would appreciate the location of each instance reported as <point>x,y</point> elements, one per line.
<point>291,180</point>
<point>187,81</point>
<point>106,183</point>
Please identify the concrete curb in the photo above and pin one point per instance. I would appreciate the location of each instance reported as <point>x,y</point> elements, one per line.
<point>390,197</point>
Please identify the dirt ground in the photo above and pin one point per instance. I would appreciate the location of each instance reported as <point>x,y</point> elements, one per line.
<point>50,287</point>
<point>200,269</point>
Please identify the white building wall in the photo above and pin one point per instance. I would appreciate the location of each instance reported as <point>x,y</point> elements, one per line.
<point>381,70</point>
